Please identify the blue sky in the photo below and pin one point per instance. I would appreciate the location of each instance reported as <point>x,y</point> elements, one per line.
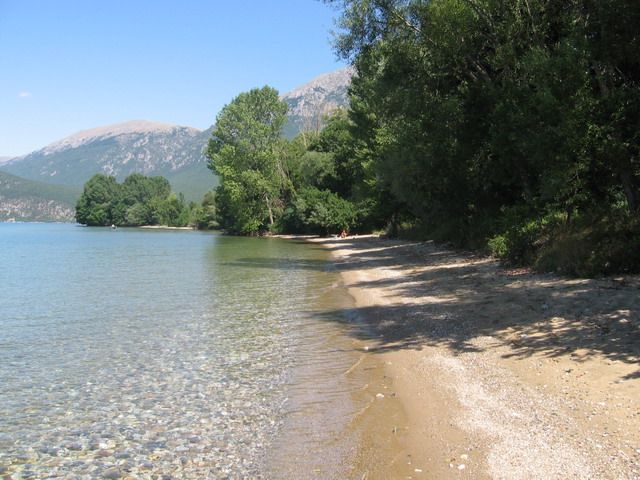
<point>72,65</point>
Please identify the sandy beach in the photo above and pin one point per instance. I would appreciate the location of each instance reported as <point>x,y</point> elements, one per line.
<point>481,371</point>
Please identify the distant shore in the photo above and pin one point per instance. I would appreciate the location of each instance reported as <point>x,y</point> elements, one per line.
<point>166,227</point>
<point>492,372</point>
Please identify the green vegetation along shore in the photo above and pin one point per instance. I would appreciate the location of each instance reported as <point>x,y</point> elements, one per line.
<point>138,201</point>
<point>508,127</point>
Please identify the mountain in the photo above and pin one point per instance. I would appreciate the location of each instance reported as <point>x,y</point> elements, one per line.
<point>152,148</point>
<point>26,200</point>
<point>311,102</point>
<point>137,146</point>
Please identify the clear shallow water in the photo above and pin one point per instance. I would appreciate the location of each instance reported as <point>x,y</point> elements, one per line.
<point>145,353</point>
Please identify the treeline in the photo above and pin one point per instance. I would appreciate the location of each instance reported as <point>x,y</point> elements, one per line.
<point>272,185</point>
<point>512,126</point>
<point>140,200</point>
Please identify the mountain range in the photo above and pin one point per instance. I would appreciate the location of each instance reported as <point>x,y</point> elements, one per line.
<point>151,148</point>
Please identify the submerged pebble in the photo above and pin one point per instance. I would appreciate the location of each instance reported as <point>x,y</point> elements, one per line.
<point>199,424</point>
<point>151,360</point>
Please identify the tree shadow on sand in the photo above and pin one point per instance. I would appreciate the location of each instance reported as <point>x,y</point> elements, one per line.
<point>454,298</point>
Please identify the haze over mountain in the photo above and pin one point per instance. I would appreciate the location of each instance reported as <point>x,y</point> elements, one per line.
<point>173,151</point>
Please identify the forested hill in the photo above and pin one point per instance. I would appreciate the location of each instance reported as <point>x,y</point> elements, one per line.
<point>26,200</point>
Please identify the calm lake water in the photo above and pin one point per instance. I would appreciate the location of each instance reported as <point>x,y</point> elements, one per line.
<point>170,354</point>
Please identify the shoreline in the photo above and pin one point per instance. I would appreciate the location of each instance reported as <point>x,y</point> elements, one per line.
<point>163,227</point>
<point>498,373</point>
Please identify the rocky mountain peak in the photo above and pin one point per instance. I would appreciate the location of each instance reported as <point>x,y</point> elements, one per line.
<point>329,89</point>
<point>311,102</point>
<point>132,127</point>
<point>323,84</point>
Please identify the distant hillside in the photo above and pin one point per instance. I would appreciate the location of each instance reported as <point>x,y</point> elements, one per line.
<point>138,146</point>
<point>310,103</point>
<point>26,200</point>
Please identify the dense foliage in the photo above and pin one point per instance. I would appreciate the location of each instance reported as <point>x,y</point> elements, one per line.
<point>269,184</point>
<point>512,126</point>
<point>139,200</point>
<point>205,215</point>
<point>244,152</point>
<point>513,122</point>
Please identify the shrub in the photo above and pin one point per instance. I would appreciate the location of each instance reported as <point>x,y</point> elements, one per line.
<point>498,246</point>
<point>320,212</point>
<point>593,245</point>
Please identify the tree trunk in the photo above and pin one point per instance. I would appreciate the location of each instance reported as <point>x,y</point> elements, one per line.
<point>266,199</point>
<point>630,191</point>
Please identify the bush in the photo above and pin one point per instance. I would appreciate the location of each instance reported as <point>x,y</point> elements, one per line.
<point>593,245</point>
<point>521,237</point>
<point>498,246</point>
<point>205,216</point>
<point>319,212</point>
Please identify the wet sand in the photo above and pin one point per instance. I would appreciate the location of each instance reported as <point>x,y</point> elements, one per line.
<point>478,371</point>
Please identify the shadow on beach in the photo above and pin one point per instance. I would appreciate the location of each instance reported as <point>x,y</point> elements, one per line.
<point>450,298</point>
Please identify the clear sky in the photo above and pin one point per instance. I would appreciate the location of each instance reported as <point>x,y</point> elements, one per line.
<point>69,65</point>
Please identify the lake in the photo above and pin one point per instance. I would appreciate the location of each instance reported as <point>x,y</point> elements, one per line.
<point>171,354</point>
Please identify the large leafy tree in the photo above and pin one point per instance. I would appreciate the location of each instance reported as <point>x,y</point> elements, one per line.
<point>472,110</point>
<point>248,153</point>
<point>95,205</point>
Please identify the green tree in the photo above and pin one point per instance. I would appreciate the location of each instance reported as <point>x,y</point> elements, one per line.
<point>485,117</point>
<point>247,152</point>
<point>319,212</point>
<point>170,210</point>
<point>139,200</point>
<point>138,188</point>
<point>206,215</point>
<point>98,198</point>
